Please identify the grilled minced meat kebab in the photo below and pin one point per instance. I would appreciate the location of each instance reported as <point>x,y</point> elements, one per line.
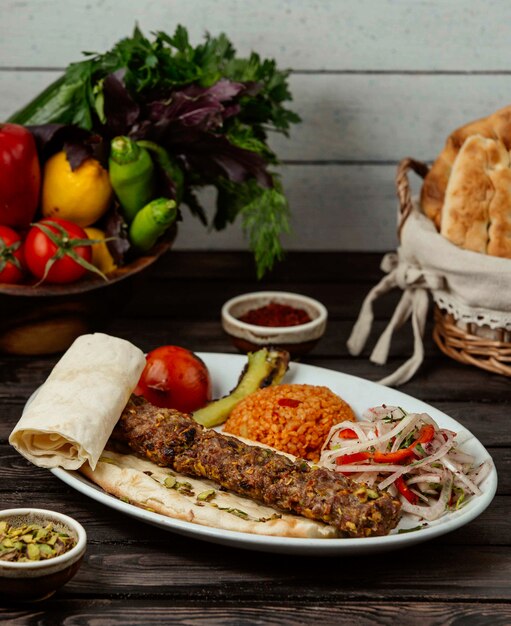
<point>171,439</point>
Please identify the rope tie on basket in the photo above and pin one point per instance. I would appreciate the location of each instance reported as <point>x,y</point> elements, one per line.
<point>415,284</point>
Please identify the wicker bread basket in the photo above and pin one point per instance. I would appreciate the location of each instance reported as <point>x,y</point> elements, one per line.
<point>471,344</point>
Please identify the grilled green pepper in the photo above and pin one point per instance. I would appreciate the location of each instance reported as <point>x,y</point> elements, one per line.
<point>151,222</point>
<point>132,175</point>
<point>264,367</point>
<point>169,167</point>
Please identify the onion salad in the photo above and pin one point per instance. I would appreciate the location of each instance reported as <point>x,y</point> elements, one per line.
<point>409,455</point>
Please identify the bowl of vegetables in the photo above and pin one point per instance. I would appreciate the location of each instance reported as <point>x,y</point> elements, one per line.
<point>97,171</point>
<point>67,244</point>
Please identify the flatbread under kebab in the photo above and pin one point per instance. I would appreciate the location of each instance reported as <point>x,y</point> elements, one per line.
<point>175,441</point>
<point>201,501</point>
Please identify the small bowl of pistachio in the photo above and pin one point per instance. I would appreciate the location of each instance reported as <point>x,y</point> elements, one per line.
<point>40,551</point>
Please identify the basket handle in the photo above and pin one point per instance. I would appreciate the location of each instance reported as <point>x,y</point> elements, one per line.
<point>404,193</point>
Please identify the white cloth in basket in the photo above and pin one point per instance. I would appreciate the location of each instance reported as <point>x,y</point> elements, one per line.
<point>473,287</point>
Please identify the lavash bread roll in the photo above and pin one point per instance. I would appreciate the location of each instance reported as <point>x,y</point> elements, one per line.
<point>201,501</point>
<point>467,192</point>
<point>73,414</point>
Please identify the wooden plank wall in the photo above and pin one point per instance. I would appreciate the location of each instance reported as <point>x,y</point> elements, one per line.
<point>374,81</point>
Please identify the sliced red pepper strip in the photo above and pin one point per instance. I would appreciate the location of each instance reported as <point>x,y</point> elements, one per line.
<point>405,491</point>
<point>352,458</point>
<point>347,433</point>
<point>426,434</point>
<point>393,457</point>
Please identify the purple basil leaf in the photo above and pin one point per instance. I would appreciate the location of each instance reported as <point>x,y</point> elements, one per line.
<point>231,111</point>
<point>206,155</point>
<point>44,134</point>
<point>214,157</point>
<point>77,153</point>
<point>120,110</point>
<point>115,226</point>
<point>196,209</point>
<point>78,143</point>
<point>223,90</point>
<point>195,107</point>
<point>189,123</point>
<point>202,112</point>
<point>252,88</point>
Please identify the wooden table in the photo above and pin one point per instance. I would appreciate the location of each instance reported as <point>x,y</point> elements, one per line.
<point>138,574</point>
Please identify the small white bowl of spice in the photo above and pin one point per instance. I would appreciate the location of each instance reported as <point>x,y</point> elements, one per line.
<point>291,321</point>
<point>40,551</point>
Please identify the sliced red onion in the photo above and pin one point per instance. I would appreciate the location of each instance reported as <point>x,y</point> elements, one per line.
<point>424,419</point>
<point>482,472</point>
<point>433,511</point>
<point>370,467</point>
<point>440,461</point>
<point>461,476</point>
<point>406,468</point>
<point>352,447</point>
<point>424,478</point>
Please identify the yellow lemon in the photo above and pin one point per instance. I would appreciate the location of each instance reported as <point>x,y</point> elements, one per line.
<point>81,196</point>
<point>101,256</point>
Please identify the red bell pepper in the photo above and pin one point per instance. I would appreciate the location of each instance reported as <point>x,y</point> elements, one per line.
<point>426,434</point>
<point>347,433</point>
<point>352,458</point>
<point>20,176</point>
<point>393,457</point>
<point>405,490</point>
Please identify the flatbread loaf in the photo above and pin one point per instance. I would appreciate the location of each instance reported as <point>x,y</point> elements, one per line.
<point>495,126</point>
<point>201,501</point>
<point>467,192</point>
<point>478,188</point>
<point>73,414</point>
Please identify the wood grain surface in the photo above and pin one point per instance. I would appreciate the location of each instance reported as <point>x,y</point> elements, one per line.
<point>374,81</point>
<point>137,574</point>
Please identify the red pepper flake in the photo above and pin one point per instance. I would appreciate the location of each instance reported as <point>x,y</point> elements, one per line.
<point>275,315</point>
<point>289,402</point>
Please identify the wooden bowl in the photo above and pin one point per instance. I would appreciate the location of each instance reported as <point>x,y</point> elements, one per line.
<point>47,319</point>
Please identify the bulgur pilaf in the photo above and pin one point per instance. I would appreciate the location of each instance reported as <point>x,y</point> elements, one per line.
<point>292,418</point>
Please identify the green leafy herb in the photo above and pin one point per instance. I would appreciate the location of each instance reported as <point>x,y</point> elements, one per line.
<point>264,213</point>
<point>457,498</point>
<point>403,531</point>
<point>420,450</point>
<point>211,110</point>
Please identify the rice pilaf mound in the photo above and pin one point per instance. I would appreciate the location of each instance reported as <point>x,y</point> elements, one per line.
<point>292,418</point>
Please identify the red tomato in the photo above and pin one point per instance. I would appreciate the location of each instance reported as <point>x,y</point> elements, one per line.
<point>39,250</point>
<point>175,378</point>
<point>11,256</point>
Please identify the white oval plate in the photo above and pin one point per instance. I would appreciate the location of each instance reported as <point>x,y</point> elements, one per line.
<point>360,394</point>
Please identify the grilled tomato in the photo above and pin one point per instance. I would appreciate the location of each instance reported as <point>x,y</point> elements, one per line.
<point>175,378</point>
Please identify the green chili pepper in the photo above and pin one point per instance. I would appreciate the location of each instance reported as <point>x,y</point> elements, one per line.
<point>168,165</point>
<point>132,175</point>
<point>151,222</point>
